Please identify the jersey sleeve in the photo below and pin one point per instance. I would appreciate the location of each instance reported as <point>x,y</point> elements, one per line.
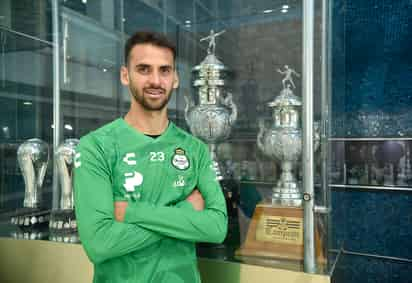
<point>101,235</point>
<point>182,221</point>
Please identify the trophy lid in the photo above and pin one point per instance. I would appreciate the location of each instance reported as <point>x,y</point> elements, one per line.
<point>211,62</point>
<point>286,98</point>
<point>211,71</point>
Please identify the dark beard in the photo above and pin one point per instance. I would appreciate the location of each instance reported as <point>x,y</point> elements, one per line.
<point>145,103</point>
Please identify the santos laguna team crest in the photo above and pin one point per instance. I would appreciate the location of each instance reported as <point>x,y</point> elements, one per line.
<point>180,160</point>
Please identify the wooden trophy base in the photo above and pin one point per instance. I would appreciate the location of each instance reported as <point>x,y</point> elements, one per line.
<point>277,232</point>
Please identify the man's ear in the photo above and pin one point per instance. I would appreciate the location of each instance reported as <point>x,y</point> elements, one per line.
<point>124,75</point>
<point>176,81</point>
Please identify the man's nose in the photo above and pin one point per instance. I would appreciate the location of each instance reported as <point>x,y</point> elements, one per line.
<point>155,78</point>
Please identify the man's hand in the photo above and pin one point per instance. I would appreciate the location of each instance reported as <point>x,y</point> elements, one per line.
<point>196,199</point>
<point>120,210</point>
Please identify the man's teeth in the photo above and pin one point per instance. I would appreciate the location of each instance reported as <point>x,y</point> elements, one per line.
<point>154,91</point>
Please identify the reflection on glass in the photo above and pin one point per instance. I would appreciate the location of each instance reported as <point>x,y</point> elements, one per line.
<point>27,103</point>
<point>371,163</point>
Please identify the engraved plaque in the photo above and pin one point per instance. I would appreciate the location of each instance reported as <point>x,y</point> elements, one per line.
<point>279,229</point>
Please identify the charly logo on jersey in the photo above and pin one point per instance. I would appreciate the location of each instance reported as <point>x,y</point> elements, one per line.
<point>132,180</point>
<point>180,160</point>
<point>129,158</point>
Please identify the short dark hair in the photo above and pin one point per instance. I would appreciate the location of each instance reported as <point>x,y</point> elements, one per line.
<point>142,37</point>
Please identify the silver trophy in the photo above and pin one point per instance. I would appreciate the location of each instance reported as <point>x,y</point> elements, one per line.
<point>64,157</point>
<point>33,156</point>
<point>283,141</point>
<point>63,224</point>
<point>212,118</point>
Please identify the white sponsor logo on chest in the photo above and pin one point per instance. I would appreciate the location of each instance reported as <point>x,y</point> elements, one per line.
<point>132,180</point>
<point>129,158</point>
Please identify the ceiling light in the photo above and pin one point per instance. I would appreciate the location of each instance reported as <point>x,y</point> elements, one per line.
<point>285,7</point>
<point>27,103</point>
<point>188,22</point>
<point>68,127</point>
<point>267,11</point>
<point>284,10</point>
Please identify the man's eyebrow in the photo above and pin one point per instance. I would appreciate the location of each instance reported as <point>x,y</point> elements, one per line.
<point>167,66</point>
<point>142,65</point>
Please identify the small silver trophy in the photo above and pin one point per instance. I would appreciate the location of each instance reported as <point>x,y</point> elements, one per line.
<point>211,120</point>
<point>33,156</point>
<point>63,222</point>
<point>32,219</point>
<point>283,141</point>
<point>64,157</point>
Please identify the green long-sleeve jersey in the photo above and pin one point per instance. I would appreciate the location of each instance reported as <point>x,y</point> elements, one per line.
<point>156,241</point>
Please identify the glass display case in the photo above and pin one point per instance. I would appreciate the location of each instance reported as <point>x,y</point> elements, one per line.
<point>254,85</point>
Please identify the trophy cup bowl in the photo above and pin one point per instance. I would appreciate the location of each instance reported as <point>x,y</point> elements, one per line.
<point>210,123</point>
<point>33,156</point>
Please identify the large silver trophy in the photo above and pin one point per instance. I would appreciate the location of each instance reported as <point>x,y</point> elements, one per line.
<point>63,226</point>
<point>33,156</point>
<point>212,118</point>
<point>276,228</point>
<point>283,141</point>
<point>32,218</point>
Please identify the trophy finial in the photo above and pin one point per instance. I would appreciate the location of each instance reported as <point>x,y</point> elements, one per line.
<point>288,72</point>
<point>212,40</point>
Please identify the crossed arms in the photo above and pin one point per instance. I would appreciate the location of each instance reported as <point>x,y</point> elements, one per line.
<point>143,224</point>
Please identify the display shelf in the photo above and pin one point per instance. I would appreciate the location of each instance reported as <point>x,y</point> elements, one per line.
<point>366,187</point>
<point>372,139</point>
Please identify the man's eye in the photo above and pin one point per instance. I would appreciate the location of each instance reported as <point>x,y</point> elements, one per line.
<point>165,71</point>
<point>143,69</point>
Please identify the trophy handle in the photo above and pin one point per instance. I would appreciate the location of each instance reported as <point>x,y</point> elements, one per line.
<point>261,132</point>
<point>188,105</point>
<point>316,133</point>
<point>228,101</point>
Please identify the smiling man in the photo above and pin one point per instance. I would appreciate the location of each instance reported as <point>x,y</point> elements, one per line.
<point>145,192</point>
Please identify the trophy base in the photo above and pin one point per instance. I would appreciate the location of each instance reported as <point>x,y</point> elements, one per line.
<point>30,218</point>
<point>30,223</point>
<point>276,232</point>
<point>63,226</point>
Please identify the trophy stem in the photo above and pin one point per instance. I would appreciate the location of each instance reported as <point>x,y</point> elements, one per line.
<point>215,163</point>
<point>287,176</point>
<point>287,192</point>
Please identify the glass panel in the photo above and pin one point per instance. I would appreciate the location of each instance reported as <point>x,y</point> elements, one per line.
<point>260,45</point>
<point>105,13</point>
<point>259,40</point>
<point>26,98</point>
<point>90,87</point>
<point>32,18</point>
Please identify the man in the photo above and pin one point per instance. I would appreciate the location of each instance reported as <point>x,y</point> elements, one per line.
<point>144,189</point>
